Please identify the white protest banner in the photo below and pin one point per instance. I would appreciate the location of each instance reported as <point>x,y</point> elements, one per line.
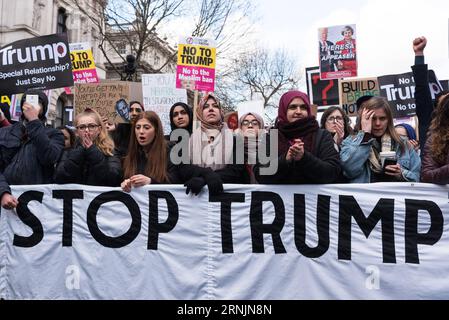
<point>159,94</point>
<point>354,241</point>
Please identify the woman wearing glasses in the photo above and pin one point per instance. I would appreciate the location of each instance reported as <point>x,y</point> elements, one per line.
<point>91,161</point>
<point>250,129</point>
<point>306,152</point>
<point>336,122</point>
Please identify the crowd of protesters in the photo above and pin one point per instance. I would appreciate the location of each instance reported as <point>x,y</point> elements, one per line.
<point>135,154</point>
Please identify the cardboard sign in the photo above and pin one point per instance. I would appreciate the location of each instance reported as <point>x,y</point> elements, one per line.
<point>351,90</point>
<point>103,96</point>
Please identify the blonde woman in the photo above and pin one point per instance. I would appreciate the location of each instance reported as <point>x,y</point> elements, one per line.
<point>91,161</point>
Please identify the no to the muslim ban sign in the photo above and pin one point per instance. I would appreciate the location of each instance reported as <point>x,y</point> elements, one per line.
<point>196,64</point>
<point>41,62</point>
<point>83,65</point>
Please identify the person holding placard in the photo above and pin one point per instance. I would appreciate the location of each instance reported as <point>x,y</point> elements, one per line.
<point>28,149</point>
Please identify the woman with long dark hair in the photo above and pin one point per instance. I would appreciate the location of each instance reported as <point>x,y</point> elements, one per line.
<point>147,161</point>
<point>435,161</point>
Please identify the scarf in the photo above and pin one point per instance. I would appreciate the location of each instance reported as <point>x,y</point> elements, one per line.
<point>199,114</point>
<point>304,129</point>
<point>211,148</point>
<point>374,155</point>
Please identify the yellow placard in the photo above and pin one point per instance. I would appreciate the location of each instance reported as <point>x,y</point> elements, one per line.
<point>196,56</point>
<point>82,60</point>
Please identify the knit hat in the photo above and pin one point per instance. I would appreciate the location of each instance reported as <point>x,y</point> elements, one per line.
<point>411,134</point>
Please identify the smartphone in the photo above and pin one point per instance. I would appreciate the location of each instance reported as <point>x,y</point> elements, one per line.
<point>33,99</point>
<point>389,162</point>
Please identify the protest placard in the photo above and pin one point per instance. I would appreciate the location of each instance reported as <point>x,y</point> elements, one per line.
<point>83,64</point>
<point>103,96</point>
<point>196,64</point>
<point>337,52</point>
<point>351,90</point>
<point>321,92</point>
<point>159,94</point>
<point>399,90</point>
<point>40,62</point>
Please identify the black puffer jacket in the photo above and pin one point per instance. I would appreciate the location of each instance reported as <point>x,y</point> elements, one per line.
<point>89,166</point>
<point>28,154</point>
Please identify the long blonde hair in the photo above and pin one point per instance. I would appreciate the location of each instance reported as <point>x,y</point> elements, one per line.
<point>103,140</point>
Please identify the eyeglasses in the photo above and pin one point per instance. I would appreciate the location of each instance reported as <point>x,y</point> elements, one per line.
<point>254,123</point>
<point>89,127</point>
<point>333,119</point>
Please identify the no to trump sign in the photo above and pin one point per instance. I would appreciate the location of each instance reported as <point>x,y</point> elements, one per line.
<point>196,64</point>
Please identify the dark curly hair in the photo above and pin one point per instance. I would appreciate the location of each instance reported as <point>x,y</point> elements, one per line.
<point>439,131</point>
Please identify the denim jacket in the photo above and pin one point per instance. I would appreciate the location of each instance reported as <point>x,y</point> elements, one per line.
<point>354,156</point>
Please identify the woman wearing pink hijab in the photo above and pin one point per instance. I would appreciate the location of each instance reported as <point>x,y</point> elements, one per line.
<point>306,152</point>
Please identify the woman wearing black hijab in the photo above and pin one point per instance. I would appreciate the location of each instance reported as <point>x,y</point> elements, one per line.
<point>181,117</point>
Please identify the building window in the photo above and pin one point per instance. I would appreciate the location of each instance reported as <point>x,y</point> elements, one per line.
<point>121,47</point>
<point>62,19</point>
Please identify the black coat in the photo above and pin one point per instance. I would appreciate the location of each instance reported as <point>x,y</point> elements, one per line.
<point>89,166</point>
<point>172,170</point>
<point>28,154</point>
<point>321,167</point>
<point>121,136</point>
<point>423,100</point>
